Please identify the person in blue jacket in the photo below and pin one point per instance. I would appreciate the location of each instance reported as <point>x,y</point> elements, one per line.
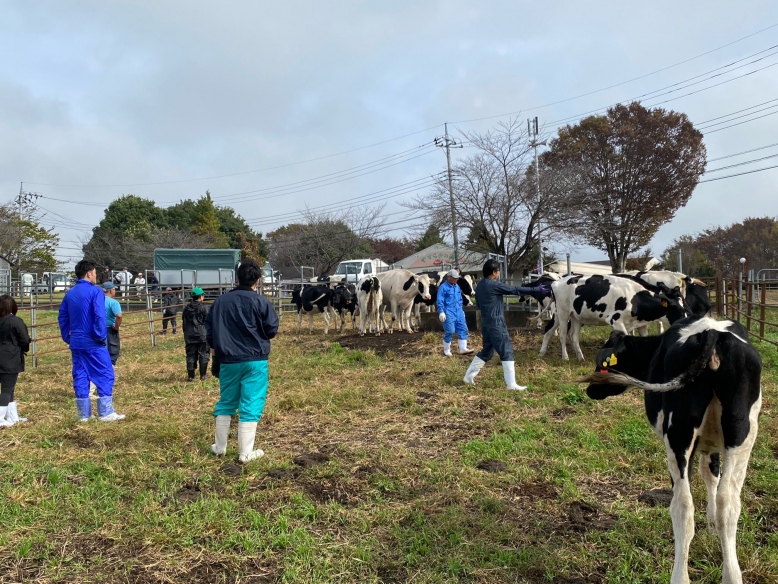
<point>451,314</point>
<point>82,324</point>
<point>488,297</point>
<point>239,327</point>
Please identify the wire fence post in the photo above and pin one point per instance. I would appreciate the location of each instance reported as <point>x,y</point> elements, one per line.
<point>150,309</point>
<point>33,334</point>
<point>719,303</point>
<point>762,301</point>
<point>749,302</point>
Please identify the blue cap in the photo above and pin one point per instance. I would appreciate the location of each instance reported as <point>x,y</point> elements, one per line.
<point>108,286</point>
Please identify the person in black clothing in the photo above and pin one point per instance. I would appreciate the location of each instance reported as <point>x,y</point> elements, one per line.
<point>105,276</point>
<point>169,310</point>
<point>14,343</point>
<point>195,335</point>
<point>154,286</point>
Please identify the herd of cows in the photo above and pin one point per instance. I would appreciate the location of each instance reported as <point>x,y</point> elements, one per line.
<point>701,377</point>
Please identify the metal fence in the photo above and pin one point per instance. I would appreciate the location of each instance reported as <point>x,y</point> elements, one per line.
<point>742,301</point>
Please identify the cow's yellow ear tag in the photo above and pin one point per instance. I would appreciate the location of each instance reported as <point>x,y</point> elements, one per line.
<point>604,363</point>
<point>612,360</point>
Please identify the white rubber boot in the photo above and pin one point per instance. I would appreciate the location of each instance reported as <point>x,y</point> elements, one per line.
<point>4,421</point>
<point>13,415</point>
<point>463,350</point>
<point>509,372</point>
<point>219,447</point>
<point>446,349</point>
<point>473,370</point>
<point>247,432</point>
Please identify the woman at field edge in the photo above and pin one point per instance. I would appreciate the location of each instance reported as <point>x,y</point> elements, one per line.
<point>488,297</point>
<point>14,343</point>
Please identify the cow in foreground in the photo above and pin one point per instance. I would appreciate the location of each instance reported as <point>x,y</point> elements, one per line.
<point>399,288</point>
<point>702,393</point>
<point>370,298</point>
<point>310,300</point>
<point>613,301</point>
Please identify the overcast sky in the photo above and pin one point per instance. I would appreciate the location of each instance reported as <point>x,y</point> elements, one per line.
<point>121,93</point>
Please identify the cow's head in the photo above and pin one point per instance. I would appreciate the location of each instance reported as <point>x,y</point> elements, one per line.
<point>342,295</point>
<point>697,298</point>
<point>465,284</point>
<point>616,356</point>
<point>424,286</point>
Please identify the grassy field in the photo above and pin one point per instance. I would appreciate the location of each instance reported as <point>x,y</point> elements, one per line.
<point>390,489</point>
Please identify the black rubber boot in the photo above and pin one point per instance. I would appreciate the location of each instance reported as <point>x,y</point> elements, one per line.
<point>191,373</point>
<point>204,372</point>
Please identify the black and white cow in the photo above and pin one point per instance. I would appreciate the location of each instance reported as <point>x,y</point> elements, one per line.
<point>370,298</point>
<point>694,291</point>
<point>606,300</point>
<point>344,301</point>
<point>312,299</point>
<point>420,305</point>
<point>399,288</point>
<point>702,394</point>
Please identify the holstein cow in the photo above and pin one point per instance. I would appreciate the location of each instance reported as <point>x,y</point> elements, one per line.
<point>694,292</point>
<point>545,279</point>
<point>702,392</point>
<point>312,299</point>
<point>609,300</point>
<point>420,305</point>
<point>465,284</point>
<point>399,288</point>
<point>370,297</point>
<point>344,301</point>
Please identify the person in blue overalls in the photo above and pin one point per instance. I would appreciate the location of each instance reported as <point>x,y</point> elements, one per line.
<point>82,326</point>
<point>451,314</point>
<point>488,297</point>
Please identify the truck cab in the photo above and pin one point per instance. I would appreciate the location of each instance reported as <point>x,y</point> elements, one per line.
<point>352,271</point>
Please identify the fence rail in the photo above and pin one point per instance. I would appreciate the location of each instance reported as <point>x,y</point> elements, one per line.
<point>741,300</point>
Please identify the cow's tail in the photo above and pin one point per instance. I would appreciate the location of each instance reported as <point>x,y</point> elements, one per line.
<point>707,357</point>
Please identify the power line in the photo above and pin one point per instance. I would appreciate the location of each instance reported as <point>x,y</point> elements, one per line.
<point>738,174</point>
<point>744,152</point>
<point>417,132</point>
<point>741,123</point>
<point>742,163</point>
<point>737,117</point>
<point>737,112</point>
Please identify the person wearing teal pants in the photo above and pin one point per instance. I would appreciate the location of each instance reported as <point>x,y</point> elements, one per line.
<point>239,327</point>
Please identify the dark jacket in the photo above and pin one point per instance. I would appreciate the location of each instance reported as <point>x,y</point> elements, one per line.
<point>193,318</point>
<point>103,277</point>
<point>240,325</point>
<point>14,342</point>
<point>488,296</point>
<point>169,302</point>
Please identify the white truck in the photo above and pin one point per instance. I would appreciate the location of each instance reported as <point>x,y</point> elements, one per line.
<point>352,271</point>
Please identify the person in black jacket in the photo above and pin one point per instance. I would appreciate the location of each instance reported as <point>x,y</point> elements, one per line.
<point>105,276</point>
<point>240,325</point>
<point>195,335</point>
<point>14,343</point>
<point>169,310</point>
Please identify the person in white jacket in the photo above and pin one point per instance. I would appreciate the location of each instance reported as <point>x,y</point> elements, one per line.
<point>123,279</point>
<point>140,284</point>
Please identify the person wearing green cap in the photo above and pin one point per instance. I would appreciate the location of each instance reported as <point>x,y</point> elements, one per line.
<point>195,335</point>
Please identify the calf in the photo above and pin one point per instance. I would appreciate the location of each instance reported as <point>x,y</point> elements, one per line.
<point>370,298</point>
<point>344,301</point>
<point>399,288</point>
<point>614,301</point>
<point>701,381</point>
<point>312,299</point>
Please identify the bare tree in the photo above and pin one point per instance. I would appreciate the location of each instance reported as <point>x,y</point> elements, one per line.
<point>324,239</point>
<point>495,198</point>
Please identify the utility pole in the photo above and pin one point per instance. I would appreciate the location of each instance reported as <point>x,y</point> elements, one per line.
<point>24,198</point>
<point>532,132</point>
<point>447,142</point>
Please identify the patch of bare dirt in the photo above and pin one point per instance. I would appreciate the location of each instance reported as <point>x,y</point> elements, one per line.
<point>400,343</point>
<point>231,470</point>
<point>310,459</point>
<point>491,465</point>
<point>284,473</point>
<point>562,414</point>
<point>656,497</point>
<point>538,491</point>
<point>582,517</point>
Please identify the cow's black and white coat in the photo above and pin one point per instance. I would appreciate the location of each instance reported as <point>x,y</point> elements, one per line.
<point>605,300</point>
<point>702,394</point>
<point>370,298</point>
<point>344,301</point>
<point>310,300</point>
